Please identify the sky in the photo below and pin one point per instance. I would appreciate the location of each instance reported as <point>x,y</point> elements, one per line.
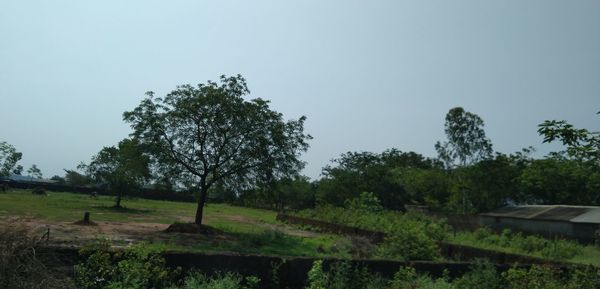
<point>368,75</point>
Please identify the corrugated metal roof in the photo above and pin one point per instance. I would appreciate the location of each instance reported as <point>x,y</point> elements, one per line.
<point>579,214</point>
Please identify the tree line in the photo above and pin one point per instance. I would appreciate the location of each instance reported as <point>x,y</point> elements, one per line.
<point>211,141</point>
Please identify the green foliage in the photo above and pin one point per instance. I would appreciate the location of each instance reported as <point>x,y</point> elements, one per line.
<point>411,235</point>
<point>467,143</point>
<point>137,268</point>
<point>34,172</point>
<point>287,193</point>
<point>536,277</point>
<point>317,279</point>
<point>123,168</point>
<point>9,157</point>
<point>366,202</point>
<point>429,187</point>
<point>483,274</point>
<point>198,280</point>
<point>342,275</point>
<point>357,172</point>
<point>209,133</point>
<point>581,143</point>
<point>557,249</point>
<point>407,278</point>
<point>561,181</point>
<point>74,178</point>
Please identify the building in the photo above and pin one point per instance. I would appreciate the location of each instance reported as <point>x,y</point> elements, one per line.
<point>576,222</point>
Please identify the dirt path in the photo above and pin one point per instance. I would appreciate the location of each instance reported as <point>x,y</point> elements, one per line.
<point>125,233</point>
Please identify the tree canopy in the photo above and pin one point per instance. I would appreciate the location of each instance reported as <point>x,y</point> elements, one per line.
<point>467,143</point>
<point>120,169</point>
<point>9,157</point>
<point>581,143</point>
<point>211,134</point>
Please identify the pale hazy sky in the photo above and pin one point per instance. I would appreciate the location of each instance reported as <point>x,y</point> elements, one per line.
<point>369,75</point>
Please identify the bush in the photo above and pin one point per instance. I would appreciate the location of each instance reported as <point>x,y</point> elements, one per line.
<point>410,236</point>
<point>536,277</point>
<point>482,275</point>
<point>557,249</point>
<point>407,278</point>
<point>342,275</point>
<point>136,268</point>
<point>197,280</point>
<point>23,267</point>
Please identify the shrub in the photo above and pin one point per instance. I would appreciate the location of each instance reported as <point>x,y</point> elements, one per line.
<point>561,249</point>
<point>23,266</point>
<point>407,278</point>
<point>342,275</point>
<point>197,280</point>
<point>366,202</point>
<point>410,235</point>
<point>136,268</point>
<point>482,275</point>
<point>536,277</point>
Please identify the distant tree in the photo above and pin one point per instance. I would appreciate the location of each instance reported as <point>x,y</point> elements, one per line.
<point>491,183</point>
<point>467,143</point>
<point>34,172</point>
<point>58,179</point>
<point>77,179</point>
<point>213,135</point>
<point>581,143</point>
<point>557,180</point>
<point>357,172</point>
<point>122,169</point>
<point>294,192</point>
<point>18,170</point>
<point>429,187</point>
<point>9,157</point>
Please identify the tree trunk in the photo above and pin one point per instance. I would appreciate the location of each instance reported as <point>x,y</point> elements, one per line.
<point>119,196</point>
<point>200,208</point>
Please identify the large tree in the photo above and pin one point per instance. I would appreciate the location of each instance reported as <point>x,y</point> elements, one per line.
<point>212,134</point>
<point>8,160</point>
<point>120,169</point>
<point>466,142</point>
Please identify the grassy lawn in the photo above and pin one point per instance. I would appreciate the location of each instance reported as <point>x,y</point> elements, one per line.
<point>245,230</point>
<point>589,254</point>
<point>69,207</point>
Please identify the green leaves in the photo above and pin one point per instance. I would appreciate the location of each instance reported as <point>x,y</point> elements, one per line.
<point>210,133</point>
<point>8,159</point>
<point>467,142</point>
<point>581,143</point>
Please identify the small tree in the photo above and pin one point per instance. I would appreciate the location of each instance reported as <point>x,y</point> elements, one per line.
<point>211,134</point>
<point>34,172</point>
<point>466,143</point>
<point>8,160</point>
<point>122,169</point>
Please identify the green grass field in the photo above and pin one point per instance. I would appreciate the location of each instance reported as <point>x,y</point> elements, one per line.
<point>245,230</point>
<point>589,254</point>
